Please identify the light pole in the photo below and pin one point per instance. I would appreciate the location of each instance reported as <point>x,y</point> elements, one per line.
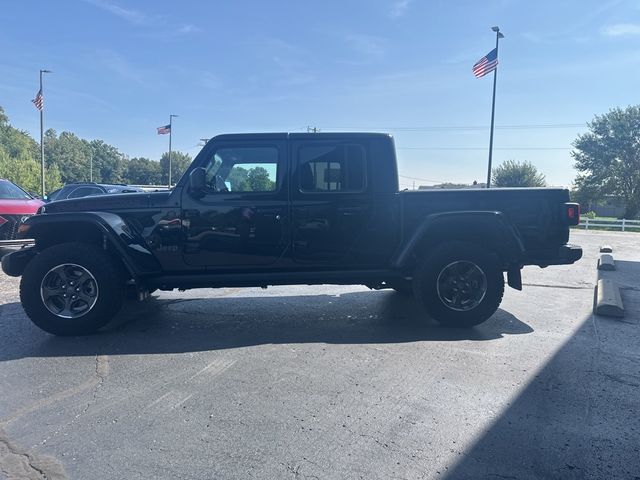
<point>493,106</point>
<point>171,117</point>
<point>41,93</point>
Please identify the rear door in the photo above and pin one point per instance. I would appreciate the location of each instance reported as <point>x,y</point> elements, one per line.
<point>242,218</point>
<point>331,203</point>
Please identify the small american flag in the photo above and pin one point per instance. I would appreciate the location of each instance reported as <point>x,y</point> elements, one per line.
<point>39,100</point>
<point>164,130</point>
<point>486,64</point>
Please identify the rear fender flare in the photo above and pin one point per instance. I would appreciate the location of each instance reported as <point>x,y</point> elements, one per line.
<point>490,228</point>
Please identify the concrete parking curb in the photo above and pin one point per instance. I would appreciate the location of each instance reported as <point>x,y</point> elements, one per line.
<point>608,299</point>
<point>606,262</point>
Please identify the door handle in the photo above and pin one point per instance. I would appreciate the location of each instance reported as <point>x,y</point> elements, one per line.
<point>349,211</point>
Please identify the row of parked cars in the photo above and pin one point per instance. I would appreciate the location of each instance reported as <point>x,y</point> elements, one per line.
<point>16,205</point>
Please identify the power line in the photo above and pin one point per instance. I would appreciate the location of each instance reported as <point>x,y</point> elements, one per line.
<point>421,179</point>
<point>483,148</point>
<point>435,128</point>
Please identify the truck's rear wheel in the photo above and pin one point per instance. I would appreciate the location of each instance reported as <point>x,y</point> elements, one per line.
<point>459,284</point>
<point>71,289</point>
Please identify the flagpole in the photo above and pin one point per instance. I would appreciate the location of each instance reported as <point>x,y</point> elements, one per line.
<point>42,186</point>
<point>170,133</point>
<point>493,106</point>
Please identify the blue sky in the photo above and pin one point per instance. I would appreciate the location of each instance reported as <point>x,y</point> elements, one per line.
<point>399,66</point>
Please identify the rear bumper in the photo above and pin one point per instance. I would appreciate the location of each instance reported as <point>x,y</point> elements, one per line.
<point>565,255</point>
<point>14,263</point>
<point>570,254</point>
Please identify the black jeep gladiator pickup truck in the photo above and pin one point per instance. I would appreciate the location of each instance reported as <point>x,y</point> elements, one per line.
<point>277,209</point>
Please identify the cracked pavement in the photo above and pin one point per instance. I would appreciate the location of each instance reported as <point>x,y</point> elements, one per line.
<point>331,382</point>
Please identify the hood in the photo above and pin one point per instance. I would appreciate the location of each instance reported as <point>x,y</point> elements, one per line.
<point>20,207</point>
<point>124,201</point>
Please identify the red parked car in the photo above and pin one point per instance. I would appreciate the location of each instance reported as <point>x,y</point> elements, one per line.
<point>16,206</point>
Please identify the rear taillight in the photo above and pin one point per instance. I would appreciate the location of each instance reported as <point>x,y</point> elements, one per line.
<point>573,213</point>
<point>3,221</point>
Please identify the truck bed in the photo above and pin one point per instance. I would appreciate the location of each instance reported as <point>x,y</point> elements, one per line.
<point>535,212</point>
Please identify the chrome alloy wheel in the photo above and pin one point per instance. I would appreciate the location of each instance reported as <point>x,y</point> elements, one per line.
<point>69,291</point>
<point>461,285</point>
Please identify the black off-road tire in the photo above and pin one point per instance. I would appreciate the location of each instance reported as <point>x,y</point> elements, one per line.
<point>104,269</point>
<point>439,261</point>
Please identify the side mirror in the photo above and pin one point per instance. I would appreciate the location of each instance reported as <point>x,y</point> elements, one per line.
<point>197,180</point>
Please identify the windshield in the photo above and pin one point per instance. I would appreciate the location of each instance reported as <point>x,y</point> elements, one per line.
<point>9,191</point>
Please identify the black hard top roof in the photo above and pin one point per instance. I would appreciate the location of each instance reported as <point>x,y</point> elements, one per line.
<point>299,136</point>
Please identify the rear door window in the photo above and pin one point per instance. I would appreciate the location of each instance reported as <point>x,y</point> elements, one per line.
<point>332,168</point>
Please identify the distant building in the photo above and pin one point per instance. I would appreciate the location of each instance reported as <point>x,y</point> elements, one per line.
<point>609,206</point>
<point>452,186</point>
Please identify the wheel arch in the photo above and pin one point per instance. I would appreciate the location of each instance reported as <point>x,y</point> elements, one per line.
<point>490,229</point>
<point>107,230</point>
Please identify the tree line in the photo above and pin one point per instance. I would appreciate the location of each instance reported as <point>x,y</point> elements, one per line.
<point>69,158</point>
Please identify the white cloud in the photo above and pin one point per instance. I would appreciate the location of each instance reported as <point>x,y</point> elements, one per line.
<point>136,17</point>
<point>119,65</point>
<point>399,8</point>
<point>188,28</point>
<point>367,44</point>
<point>621,30</point>
<point>210,81</point>
<point>131,16</point>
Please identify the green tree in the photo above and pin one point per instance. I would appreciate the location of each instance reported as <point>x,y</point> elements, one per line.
<point>25,172</point>
<point>16,143</point>
<point>108,163</point>
<point>239,179</point>
<point>20,159</point>
<point>518,174</point>
<point>70,153</point>
<point>584,194</point>
<point>179,164</point>
<point>608,157</point>
<point>142,171</point>
<point>259,181</point>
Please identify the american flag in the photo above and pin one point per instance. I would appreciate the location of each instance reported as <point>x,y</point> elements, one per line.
<point>39,100</point>
<point>486,64</point>
<point>164,130</point>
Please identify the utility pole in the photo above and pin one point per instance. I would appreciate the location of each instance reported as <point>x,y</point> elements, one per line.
<point>493,106</point>
<point>170,133</point>
<point>41,108</point>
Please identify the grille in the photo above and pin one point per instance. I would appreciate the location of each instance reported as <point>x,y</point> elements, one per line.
<point>9,230</point>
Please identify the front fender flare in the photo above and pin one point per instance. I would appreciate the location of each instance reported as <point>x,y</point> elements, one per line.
<point>113,230</point>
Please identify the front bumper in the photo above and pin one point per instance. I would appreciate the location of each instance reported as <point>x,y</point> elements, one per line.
<point>14,263</point>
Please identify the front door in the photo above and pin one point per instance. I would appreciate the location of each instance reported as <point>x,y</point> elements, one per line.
<point>241,218</point>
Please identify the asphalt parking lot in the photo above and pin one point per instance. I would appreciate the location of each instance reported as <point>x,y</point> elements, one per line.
<point>331,382</point>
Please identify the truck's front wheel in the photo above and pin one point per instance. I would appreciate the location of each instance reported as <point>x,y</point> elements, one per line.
<point>71,289</point>
<point>459,284</point>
